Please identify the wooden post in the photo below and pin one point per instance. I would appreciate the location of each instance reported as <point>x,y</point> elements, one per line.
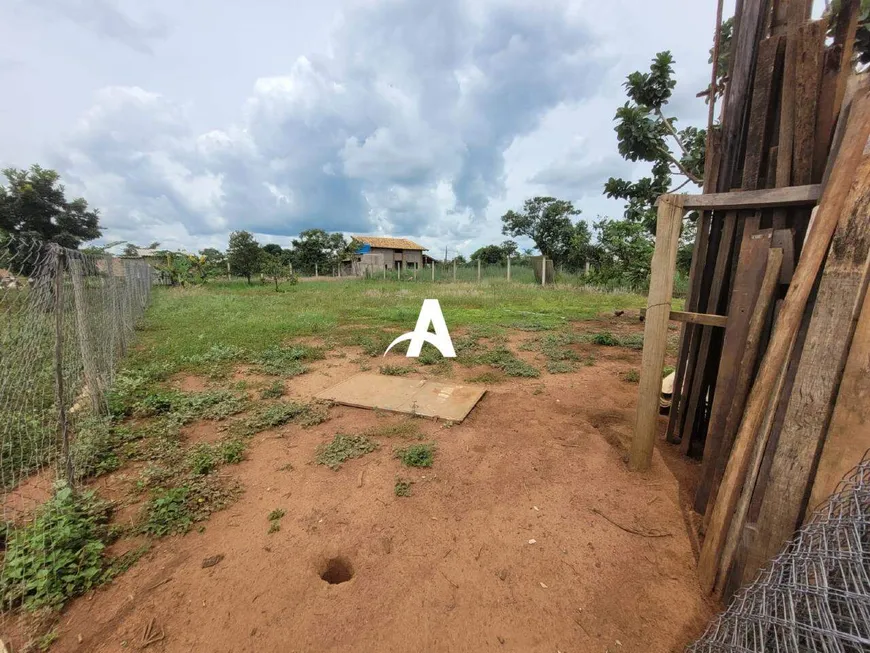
<point>764,391</point>
<point>586,268</point>
<point>509,268</point>
<point>543,270</point>
<point>315,270</point>
<point>92,378</point>
<point>229,276</point>
<point>454,269</point>
<point>62,426</point>
<point>433,271</point>
<point>385,273</point>
<point>655,333</point>
<point>478,270</point>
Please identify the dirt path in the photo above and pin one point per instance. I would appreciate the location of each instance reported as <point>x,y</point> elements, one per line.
<point>517,539</point>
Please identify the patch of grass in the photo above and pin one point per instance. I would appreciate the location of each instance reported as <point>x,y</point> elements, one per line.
<point>559,367</point>
<point>504,359</point>
<point>274,415</point>
<point>273,391</point>
<point>402,488</point>
<point>487,377</point>
<point>275,520</point>
<point>99,446</point>
<point>287,361</point>
<point>532,325</point>
<point>668,369</point>
<point>276,514</point>
<point>417,455</point>
<point>204,458</point>
<point>343,448</point>
<point>631,376</point>
<point>405,429</point>
<point>396,370</point>
<point>58,555</point>
<point>632,341</point>
<point>174,510</point>
<point>274,527</point>
<point>605,339</point>
<point>429,355</point>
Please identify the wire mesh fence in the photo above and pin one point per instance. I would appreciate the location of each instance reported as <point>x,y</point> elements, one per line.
<point>66,319</point>
<point>815,596</point>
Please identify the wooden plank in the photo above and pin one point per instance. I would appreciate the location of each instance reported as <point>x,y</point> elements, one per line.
<point>848,436</point>
<point>749,29</point>
<point>764,198</point>
<point>450,401</point>
<point>811,402</point>
<point>810,47</point>
<point>689,317</point>
<point>655,333</point>
<point>750,272</point>
<point>844,40</point>
<point>787,100</point>
<point>689,331</point>
<point>761,118</point>
<point>720,271</point>
<point>784,239</point>
<point>788,321</point>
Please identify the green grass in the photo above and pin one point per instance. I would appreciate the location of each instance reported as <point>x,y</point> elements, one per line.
<point>631,376</point>
<point>404,429</point>
<point>417,455</point>
<point>229,321</point>
<point>273,391</point>
<point>343,448</point>
<point>396,370</point>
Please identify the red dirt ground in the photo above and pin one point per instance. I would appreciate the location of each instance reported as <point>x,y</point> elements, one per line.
<point>512,541</point>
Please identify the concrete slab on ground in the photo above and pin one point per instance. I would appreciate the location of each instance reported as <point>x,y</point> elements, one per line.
<point>450,401</point>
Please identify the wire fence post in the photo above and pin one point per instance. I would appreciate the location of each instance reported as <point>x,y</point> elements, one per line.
<point>478,270</point>
<point>543,271</point>
<point>433,271</point>
<point>62,425</point>
<point>454,269</point>
<point>508,267</point>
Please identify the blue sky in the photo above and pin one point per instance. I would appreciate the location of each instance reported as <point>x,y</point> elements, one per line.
<point>184,121</point>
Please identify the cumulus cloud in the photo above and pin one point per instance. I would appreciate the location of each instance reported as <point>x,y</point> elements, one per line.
<point>401,128</point>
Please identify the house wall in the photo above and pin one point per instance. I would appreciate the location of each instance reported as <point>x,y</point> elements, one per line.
<point>412,256</point>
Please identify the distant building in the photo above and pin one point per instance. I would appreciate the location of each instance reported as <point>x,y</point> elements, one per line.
<point>373,254</point>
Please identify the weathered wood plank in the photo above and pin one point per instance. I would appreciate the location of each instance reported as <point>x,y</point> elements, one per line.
<point>768,73</point>
<point>810,47</point>
<point>750,272</point>
<point>811,402</point>
<point>848,436</point>
<point>764,198</point>
<point>720,271</point>
<point>655,333</point>
<point>759,317</point>
<point>784,239</point>
<point>762,394</point>
<point>689,317</point>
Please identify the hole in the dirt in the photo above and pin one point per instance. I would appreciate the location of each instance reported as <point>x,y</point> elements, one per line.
<point>336,570</point>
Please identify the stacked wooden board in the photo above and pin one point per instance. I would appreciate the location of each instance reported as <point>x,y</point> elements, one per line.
<point>776,402</point>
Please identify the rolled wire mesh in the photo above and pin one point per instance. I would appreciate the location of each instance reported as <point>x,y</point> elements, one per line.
<point>66,318</point>
<point>814,596</point>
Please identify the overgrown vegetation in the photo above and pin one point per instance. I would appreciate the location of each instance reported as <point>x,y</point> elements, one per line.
<point>402,488</point>
<point>343,448</point>
<point>417,455</point>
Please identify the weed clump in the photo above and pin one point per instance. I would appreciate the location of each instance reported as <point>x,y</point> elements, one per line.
<point>273,391</point>
<point>395,370</point>
<point>417,455</point>
<point>559,367</point>
<point>605,339</point>
<point>631,376</point>
<point>343,448</point>
<point>402,488</point>
<point>58,555</point>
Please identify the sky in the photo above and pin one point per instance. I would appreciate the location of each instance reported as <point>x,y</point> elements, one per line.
<point>184,121</point>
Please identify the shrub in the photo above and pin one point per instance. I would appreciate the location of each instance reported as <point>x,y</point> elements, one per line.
<point>57,556</point>
<point>417,455</point>
<point>402,488</point>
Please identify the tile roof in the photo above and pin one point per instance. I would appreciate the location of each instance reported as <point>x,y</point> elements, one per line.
<point>389,243</point>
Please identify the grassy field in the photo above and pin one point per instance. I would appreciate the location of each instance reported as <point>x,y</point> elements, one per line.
<point>183,324</point>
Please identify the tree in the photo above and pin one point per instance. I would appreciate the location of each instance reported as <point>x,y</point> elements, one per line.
<point>644,133</point>
<point>579,252</point>
<point>489,255</point>
<point>273,267</point>
<point>509,247</point>
<point>33,204</point>
<point>622,253</point>
<point>244,254</point>
<point>131,250</point>
<point>215,261</point>
<point>547,221</point>
<point>316,247</point>
<point>273,249</point>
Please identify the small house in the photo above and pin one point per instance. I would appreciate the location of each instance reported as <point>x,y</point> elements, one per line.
<point>373,254</point>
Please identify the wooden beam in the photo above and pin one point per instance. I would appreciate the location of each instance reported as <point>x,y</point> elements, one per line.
<point>841,291</point>
<point>655,334</point>
<point>848,436</point>
<point>760,399</point>
<point>689,317</point>
<point>768,75</point>
<point>810,49</point>
<point>750,272</point>
<point>755,199</point>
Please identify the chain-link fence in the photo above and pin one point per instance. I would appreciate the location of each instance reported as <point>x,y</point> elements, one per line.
<point>815,596</point>
<point>66,318</point>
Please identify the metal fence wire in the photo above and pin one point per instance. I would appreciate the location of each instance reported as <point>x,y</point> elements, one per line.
<point>814,596</point>
<point>66,319</point>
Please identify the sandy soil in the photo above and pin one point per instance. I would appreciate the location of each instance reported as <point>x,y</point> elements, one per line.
<point>528,534</point>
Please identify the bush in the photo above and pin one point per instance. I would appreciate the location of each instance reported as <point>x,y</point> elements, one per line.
<point>417,455</point>
<point>57,556</point>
